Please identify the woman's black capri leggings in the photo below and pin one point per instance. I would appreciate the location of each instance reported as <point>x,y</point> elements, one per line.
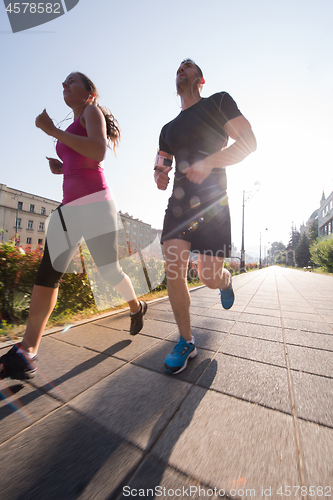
<point>68,225</point>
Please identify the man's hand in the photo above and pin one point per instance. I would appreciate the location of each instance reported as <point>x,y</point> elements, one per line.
<point>199,171</point>
<point>55,165</point>
<point>44,122</point>
<point>162,177</point>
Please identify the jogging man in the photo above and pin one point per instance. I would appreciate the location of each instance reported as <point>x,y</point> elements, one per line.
<point>197,217</point>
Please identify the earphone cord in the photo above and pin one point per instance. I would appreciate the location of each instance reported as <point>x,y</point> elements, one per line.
<point>67,117</point>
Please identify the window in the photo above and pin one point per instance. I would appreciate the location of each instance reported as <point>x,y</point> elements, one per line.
<point>28,241</point>
<point>135,225</point>
<point>30,224</point>
<point>20,205</point>
<point>41,227</point>
<point>40,241</point>
<point>128,223</point>
<point>330,206</point>
<point>32,208</point>
<point>19,223</point>
<point>134,233</point>
<point>43,211</point>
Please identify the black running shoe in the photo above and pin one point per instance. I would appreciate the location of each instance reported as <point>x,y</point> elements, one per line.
<point>137,318</point>
<point>14,365</point>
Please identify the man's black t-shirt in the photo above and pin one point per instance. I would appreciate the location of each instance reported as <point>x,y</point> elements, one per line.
<point>194,134</point>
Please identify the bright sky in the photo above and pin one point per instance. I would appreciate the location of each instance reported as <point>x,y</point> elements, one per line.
<point>273,56</point>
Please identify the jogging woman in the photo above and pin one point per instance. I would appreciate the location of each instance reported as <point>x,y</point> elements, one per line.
<point>87,210</point>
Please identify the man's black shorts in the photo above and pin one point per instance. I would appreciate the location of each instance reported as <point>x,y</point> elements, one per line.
<point>207,227</point>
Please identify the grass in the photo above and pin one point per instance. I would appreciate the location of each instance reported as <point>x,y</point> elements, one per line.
<point>15,332</point>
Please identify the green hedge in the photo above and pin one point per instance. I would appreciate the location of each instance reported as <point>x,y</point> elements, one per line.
<point>322,254</point>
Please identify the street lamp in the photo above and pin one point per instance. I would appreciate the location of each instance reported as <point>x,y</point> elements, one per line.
<point>247,195</point>
<point>260,250</point>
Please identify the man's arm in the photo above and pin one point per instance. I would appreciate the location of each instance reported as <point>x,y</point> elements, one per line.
<point>161,173</point>
<point>245,143</point>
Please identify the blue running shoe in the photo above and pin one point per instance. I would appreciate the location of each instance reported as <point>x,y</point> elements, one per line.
<point>176,362</point>
<point>227,296</point>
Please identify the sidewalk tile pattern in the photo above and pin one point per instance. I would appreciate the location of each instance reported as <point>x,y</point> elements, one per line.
<point>251,413</point>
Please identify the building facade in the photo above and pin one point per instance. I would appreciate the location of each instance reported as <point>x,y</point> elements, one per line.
<point>325,216</point>
<point>135,234</point>
<point>24,215</point>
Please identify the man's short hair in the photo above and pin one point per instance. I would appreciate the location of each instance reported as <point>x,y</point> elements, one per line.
<point>188,60</point>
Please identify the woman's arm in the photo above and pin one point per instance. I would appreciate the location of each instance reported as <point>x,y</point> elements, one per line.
<point>94,146</point>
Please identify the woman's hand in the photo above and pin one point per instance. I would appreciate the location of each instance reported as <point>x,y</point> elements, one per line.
<point>44,122</point>
<point>55,165</point>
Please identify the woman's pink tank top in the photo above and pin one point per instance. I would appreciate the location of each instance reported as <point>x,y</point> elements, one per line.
<point>82,176</point>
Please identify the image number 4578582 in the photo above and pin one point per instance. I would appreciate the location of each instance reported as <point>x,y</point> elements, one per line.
<point>26,15</point>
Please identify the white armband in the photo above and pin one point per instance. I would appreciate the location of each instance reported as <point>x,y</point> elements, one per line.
<point>162,161</point>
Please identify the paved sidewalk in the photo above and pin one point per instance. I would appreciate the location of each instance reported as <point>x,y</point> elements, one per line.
<point>252,413</point>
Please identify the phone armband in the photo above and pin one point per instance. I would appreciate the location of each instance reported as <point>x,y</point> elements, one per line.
<point>161,161</point>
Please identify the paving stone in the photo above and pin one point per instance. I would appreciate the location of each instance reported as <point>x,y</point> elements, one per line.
<point>259,383</point>
<point>309,339</point>
<point>258,331</point>
<point>264,312</point>
<point>221,325</point>
<point>116,322</point>
<point>163,305</point>
<point>134,403</point>
<point>317,446</point>
<point>109,342</point>
<point>255,349</point>
<point>313,397</point>
<point>155,476</point>
<point>66,457</point>
<point>308,326</point>
<point>155,328</point>
<point>165,316</point>
<point>259,320</point>
<point>299,309</point>
<point>65,370</point>
<point>325,312</point>
<point>20,406</point>
<point>218,312</point>
<point>314,361</point>
<point>303,316</point>
<point>154,360</point>
<point>204,339</point>
<point>265,304</point>
<point>195,310</point>
<point>241,445</point>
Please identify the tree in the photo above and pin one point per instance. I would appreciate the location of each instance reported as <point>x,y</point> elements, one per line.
<point>322,254</point>
<point>280,257</point>
<point>275,249</point>
<point>302,252</point>
<point>313,231</point>
<point>291,247</point>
